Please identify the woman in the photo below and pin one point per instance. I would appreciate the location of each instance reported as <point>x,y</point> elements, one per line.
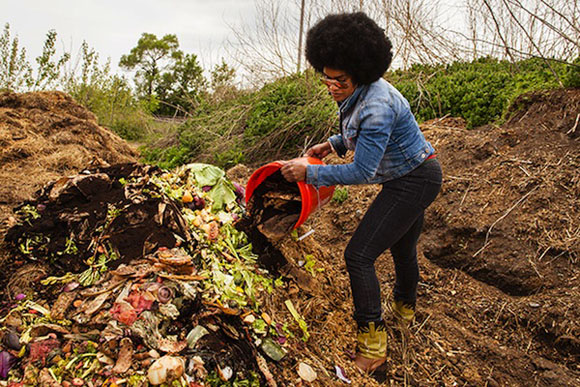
<point>352,53</point>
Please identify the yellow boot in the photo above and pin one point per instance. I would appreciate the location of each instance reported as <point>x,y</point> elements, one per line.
<point>404,311</point>
<point>372,346</point>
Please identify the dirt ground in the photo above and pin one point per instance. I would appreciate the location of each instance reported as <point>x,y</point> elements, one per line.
<point>498,296</point>
<point>499,291</point>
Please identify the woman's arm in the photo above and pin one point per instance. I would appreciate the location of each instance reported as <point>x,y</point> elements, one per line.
<point>377,118</point>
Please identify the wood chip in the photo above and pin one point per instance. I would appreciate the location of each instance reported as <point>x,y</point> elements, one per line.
<point>125,358</point>
<point>64,300</point>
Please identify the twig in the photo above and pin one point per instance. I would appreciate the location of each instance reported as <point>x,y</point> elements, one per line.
<point>544,253</point>
<point>573,130</point>
<point>422,324</point>
<point>501,218</point>
<point>464,196</point>
<point>499,312</point>
<point>534,267</point>
<point>524,170</point>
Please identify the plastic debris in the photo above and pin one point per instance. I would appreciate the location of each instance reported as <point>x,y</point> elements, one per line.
<point>341,374</point>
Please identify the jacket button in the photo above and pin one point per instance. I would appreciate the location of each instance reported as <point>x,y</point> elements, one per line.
<point>422,155</point>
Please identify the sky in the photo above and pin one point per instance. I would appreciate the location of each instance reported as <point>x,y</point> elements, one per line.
<point>112,28</point>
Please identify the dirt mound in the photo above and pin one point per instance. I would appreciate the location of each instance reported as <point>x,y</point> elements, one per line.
<point>44,135</point>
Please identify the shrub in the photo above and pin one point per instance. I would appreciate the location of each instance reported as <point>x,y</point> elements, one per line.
<point>281,119</point>
<point>572,76</point>
<point>255,127</point>
<point>478,91</point>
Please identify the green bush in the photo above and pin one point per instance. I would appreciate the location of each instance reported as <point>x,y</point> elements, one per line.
<point>254,127</point>
<point>282,118</point>
<point>572,76</point>
<point>478,91</point>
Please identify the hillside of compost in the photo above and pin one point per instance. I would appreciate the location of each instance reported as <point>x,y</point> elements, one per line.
<point>130,275</point>
<point>46,135</point>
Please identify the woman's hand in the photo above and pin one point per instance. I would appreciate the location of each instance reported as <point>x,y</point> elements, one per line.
<point>294,170</point>
<point>319,150</point>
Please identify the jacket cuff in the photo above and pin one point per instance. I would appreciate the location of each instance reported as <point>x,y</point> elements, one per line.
<point>337,145</point>
<point>312,174</point>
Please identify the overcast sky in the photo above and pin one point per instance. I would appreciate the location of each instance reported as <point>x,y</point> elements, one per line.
<point>112,28</point>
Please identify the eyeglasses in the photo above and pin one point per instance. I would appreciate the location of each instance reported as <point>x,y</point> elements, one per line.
<point>334,82</point>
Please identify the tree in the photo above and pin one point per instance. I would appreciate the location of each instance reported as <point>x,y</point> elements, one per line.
<point>180,88</point>
<point>165,73</point>
<point>222,81</point>
<point>151,57</point>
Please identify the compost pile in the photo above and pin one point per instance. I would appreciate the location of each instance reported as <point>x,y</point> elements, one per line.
<point>275,206</point>
<point>45,135</point>
<point>131,275</point>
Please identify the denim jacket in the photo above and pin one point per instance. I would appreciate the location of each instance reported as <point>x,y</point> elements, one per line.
<point>376,122</point>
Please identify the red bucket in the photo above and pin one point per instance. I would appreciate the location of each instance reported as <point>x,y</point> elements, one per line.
<point>311,198</point>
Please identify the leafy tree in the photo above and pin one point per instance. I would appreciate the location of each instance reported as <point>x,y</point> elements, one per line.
<point>165,74</point>
<point>180,87</point>
<point>151,57</point>
<point>15,71</point>
<point>222,81</point>
<point>49,68</point>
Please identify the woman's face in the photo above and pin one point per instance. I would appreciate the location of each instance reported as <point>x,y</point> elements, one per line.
<point>339,83</point>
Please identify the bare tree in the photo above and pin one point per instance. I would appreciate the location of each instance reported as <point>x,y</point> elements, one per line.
<point>422,31</point>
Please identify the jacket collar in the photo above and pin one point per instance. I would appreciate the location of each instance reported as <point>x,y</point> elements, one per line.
<point>351,100</point>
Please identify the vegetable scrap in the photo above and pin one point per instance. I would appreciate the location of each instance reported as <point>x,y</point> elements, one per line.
<point>146,280</point>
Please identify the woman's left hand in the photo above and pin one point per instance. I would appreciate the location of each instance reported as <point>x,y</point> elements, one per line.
<point>294,170</point>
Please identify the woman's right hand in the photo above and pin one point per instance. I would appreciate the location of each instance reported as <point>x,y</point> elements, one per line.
<point>319,150</point>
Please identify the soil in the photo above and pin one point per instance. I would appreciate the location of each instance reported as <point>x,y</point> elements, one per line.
<point>499,290</point>
<point>498,296</point>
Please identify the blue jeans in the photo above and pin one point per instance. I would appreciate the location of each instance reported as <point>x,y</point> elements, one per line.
<point>393,221</point>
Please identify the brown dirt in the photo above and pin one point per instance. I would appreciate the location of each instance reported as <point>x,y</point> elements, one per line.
<point>498,297</point>
<point>45,135</point>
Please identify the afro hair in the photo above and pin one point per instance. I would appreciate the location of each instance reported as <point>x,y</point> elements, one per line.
<point>351,42</point>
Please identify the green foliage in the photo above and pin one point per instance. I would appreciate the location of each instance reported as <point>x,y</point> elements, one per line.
<point>275,121</point>
<point>340,195</point>
<point>478,91</point>
<point>15,71</point>
<point>572,76</point>
<point>266,124</point>
<point>150,57</point>
<point>108,96</point>
<point>222,83</point>
<point>165,73</point>
<point>49,67</point>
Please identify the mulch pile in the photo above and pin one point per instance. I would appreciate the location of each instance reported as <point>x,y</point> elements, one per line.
<point>45,135</point>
